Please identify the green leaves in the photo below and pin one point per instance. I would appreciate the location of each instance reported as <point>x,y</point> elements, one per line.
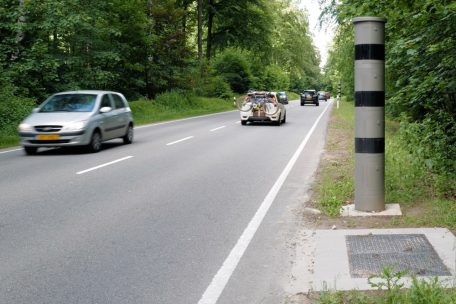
<point>420,72</point>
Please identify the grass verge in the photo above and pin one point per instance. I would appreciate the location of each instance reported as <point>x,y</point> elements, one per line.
<point>407,180</point>
<point>335,183</point>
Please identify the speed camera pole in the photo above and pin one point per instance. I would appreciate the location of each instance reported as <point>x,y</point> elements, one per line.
<point>338,93</point>
<point>369,113</point>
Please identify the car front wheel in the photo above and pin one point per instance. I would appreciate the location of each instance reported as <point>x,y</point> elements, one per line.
<point>128,138</point>
<point>30,150</point>
<point>95,142</point>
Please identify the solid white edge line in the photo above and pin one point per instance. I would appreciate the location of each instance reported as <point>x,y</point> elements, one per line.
<point>3,152</point>
<point>215,129</point>
<point>104,165</point>
<point>218,283</point>
<point>178,141</point>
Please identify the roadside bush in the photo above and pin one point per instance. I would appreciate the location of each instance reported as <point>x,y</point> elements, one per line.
<point>233,66</point>
<point>174,100</point>
<point>214,87</point>
<point>433,142</point>
<point>13,109</point>
<point>275,79</point>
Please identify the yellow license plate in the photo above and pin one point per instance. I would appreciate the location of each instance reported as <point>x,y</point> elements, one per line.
<point>309,98</point>
<point>48,136</point>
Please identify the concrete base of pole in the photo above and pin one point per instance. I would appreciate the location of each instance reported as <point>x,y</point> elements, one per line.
<point>390,210</point>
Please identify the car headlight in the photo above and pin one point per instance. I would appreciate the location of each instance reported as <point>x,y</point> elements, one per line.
<point>75,126</point>
<point>23,127</point>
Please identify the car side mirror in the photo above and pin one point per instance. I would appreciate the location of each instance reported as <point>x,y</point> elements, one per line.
<point>105,110</point>
<point>35,110</point>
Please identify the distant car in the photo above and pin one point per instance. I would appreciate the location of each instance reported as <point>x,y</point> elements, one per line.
<point>322,95</point>
<point>261,106</point>
<point>309,97</point>
<point>283,97</point>
<point>77,118</point>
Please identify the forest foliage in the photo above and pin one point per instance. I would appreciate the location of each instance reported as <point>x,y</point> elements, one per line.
<point>420,77</point>
<point>145,47</point>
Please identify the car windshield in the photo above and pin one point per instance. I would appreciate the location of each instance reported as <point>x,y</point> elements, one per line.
<point>69,103</point>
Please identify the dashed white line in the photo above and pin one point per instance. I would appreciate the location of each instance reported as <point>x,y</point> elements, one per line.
<point>219,281</point>
<point>180,140</point>
<point>215,129</point>
<point>104,165</point>
<point>2,152</point>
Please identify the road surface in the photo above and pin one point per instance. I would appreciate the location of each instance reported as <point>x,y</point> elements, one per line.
<point>156,221</point>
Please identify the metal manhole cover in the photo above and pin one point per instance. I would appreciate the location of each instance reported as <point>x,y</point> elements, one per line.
<point>370,254</point>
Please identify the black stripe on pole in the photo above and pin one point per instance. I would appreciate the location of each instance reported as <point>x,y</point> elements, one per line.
<point>370,99</point>
<point>369,52</point>
<point>369,145</point>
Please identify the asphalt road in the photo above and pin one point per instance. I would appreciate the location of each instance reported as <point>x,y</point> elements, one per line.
<point>156,221</point>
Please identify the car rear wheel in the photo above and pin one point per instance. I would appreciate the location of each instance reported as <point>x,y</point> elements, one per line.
<point>95,142</point>
<point>128,138</point>
<point>284,120</point>
<point>317,104</point>
<point>243,122</point>
<point>30,150</point>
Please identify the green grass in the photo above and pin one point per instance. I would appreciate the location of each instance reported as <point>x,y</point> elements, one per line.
<point>146,111</point>
<point>335,185</point>
<point>8,140</point>
<point>391,291</point>
<point>292,96</point>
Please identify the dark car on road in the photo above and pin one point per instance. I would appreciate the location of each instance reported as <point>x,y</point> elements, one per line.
<point>283,98</point>
<point>309,97</point>
<point>322,96</point>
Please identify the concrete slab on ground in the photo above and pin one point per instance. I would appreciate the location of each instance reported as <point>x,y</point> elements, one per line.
<point>390,210</point>
<point>344,259</point>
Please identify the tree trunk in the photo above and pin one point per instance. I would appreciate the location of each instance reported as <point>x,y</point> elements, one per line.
<point>149,51</point>
<point>210,19</point>
<point>200,30</point>
<point>20,32</point>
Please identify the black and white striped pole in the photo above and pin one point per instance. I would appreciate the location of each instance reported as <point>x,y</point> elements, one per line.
<point>338,93</point>
<point>369,113</point>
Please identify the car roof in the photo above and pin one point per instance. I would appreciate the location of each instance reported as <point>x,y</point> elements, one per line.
<point>97,92</point>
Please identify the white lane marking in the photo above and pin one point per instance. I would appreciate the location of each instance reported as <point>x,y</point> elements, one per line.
<point>237,121</point>
<point>183,119</point>
<point>180,140</point>
<point>104,165</point>
<point>215,129</point>
<point>218,283</point>
<point>2,152</point>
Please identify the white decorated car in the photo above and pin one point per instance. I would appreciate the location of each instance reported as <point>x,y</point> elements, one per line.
<point>260,106</point>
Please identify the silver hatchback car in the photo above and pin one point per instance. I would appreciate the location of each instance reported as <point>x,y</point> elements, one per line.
<point>77,118</point>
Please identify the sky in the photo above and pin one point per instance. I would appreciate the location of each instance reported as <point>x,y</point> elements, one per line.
<point>322,37</point>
